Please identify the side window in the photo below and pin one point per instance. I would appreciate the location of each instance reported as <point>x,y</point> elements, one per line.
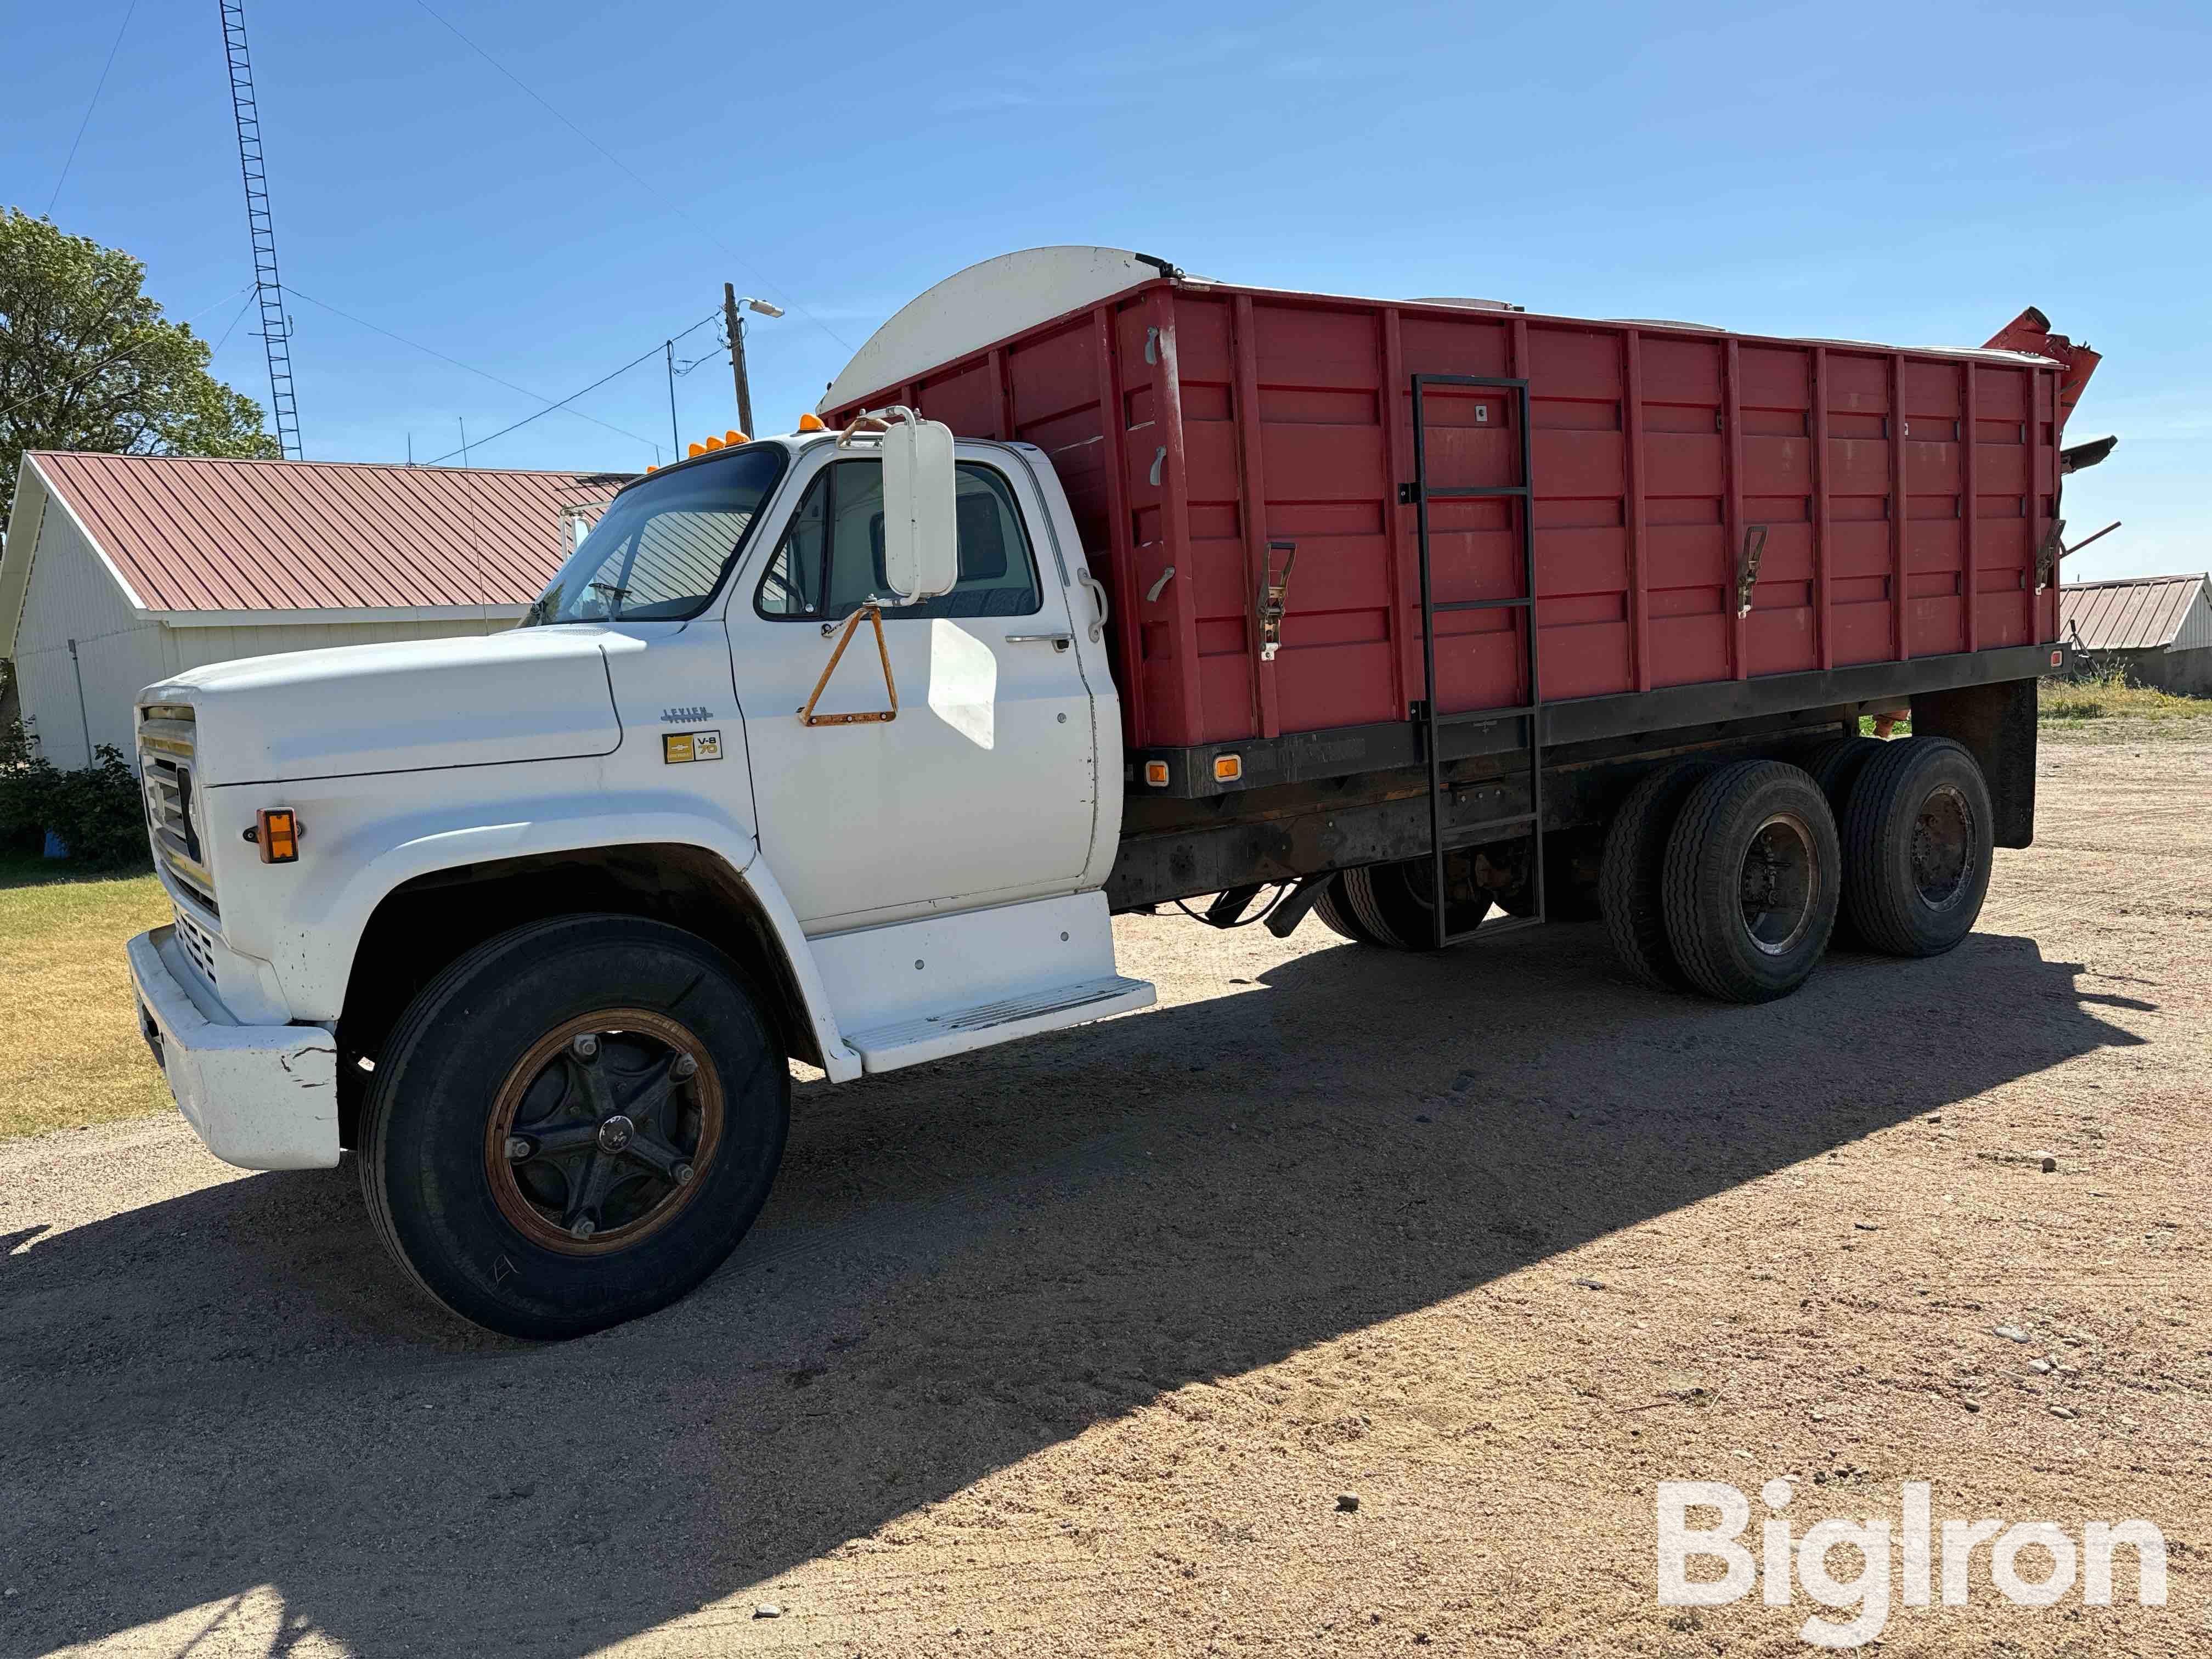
<point>793,583</point>
<point>998,573</point>
<point>830,560</point>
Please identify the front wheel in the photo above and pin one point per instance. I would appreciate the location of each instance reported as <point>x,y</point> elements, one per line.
<point>574,1124</point>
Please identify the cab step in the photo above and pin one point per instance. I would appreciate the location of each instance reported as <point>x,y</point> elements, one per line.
<point>919,990</point>
<point>932,1036</point>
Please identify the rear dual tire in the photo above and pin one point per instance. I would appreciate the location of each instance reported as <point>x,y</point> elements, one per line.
<point>1732,880</point>
<point>1918,846</point>
<point>1392,906</point>
<point>1631,876</point>
<point>1750,883</point>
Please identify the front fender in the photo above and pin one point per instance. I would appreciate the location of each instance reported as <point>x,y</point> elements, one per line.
<point>316,935</point>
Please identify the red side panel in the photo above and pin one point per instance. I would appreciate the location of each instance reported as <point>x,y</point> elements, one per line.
<point>1774,387</point>
<point>1895,499</point>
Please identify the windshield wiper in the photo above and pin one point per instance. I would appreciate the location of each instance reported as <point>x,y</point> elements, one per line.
<point>614,596</point>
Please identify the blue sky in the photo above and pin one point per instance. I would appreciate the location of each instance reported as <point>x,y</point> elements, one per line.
<point>1905,173</point>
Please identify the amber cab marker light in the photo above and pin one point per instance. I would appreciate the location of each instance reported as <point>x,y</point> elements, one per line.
<point>811,423</point>
<point>1156,774</point>
<point>1227,769</point>
<point>277,832</point>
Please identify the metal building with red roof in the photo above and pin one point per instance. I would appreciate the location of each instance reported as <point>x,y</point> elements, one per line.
<point>2158,629</point>
<point>120,569</point>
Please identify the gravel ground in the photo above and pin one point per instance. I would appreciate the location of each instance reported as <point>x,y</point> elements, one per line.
<point>1073,1348</point>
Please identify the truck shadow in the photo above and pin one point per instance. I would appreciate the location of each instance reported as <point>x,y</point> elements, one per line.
<point>964,1264</point>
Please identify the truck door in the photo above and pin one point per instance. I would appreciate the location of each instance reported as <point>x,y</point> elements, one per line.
<point>984,786</point>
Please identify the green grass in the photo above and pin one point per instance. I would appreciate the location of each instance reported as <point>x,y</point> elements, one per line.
<point>69,1048</point>
<point>2113,700</point>
<point>2109,706</point>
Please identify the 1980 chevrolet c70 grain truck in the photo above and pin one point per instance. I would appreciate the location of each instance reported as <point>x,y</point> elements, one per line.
<point>1103,586</point>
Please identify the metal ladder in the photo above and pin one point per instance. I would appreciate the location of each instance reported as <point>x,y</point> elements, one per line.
<point>269,291</point>
<point>1420,492</point>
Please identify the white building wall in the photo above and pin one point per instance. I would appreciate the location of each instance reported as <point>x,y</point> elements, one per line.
<point>196,647</point>
<point>2196,633</point>
<point>72,596</point>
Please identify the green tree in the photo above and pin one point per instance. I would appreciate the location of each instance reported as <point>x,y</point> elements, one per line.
<point>88,361</point>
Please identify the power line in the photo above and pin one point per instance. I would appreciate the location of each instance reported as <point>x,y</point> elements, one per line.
<point>652,191</point>
<point>483,373</point>
<point>99,86</point>
<point>239,317</point>
<point>564,402</point>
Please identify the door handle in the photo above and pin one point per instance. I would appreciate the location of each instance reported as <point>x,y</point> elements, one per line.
<point>1098,594</point>
<point>1058,641</point>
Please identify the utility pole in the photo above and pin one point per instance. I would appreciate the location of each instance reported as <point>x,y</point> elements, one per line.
<point>737,326</point>
<point>732,308</point>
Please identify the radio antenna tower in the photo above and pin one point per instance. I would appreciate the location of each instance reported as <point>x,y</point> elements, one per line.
<point>276,326</point>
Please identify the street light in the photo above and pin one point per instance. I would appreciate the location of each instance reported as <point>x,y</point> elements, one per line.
<point>731,315</point>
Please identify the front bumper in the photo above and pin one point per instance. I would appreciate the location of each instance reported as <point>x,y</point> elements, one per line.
<point>261,1096</point>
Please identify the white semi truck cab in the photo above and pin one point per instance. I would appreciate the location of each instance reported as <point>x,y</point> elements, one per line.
<point>810,749</point>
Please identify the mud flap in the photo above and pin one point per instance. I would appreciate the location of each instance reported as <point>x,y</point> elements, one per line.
<point>1995,724</point>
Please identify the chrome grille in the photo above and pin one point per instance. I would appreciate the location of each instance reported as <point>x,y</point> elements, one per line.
<point>166,748</point>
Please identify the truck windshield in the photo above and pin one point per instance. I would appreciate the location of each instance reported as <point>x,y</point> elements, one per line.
<point>663,547</point>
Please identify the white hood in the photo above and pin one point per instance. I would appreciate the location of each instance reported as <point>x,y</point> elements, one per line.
<point>529,695</point>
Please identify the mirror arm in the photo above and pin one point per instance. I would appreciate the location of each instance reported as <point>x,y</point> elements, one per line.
<point>873,423</point>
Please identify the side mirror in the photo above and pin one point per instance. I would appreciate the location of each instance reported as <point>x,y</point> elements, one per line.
<point>921,535</point>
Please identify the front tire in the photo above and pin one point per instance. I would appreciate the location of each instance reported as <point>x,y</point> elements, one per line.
<point>573,1125</point>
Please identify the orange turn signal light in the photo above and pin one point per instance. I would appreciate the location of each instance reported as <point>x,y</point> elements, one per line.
<point>695,449</point>
<point>1227,769</point>
<point>735,437</point>
<point>811,423</point>
<point>277,832</point>
<point>1156,774</point>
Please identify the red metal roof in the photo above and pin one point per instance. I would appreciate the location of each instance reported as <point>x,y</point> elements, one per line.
<point>195,534</point>
<point>2142,613</point>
